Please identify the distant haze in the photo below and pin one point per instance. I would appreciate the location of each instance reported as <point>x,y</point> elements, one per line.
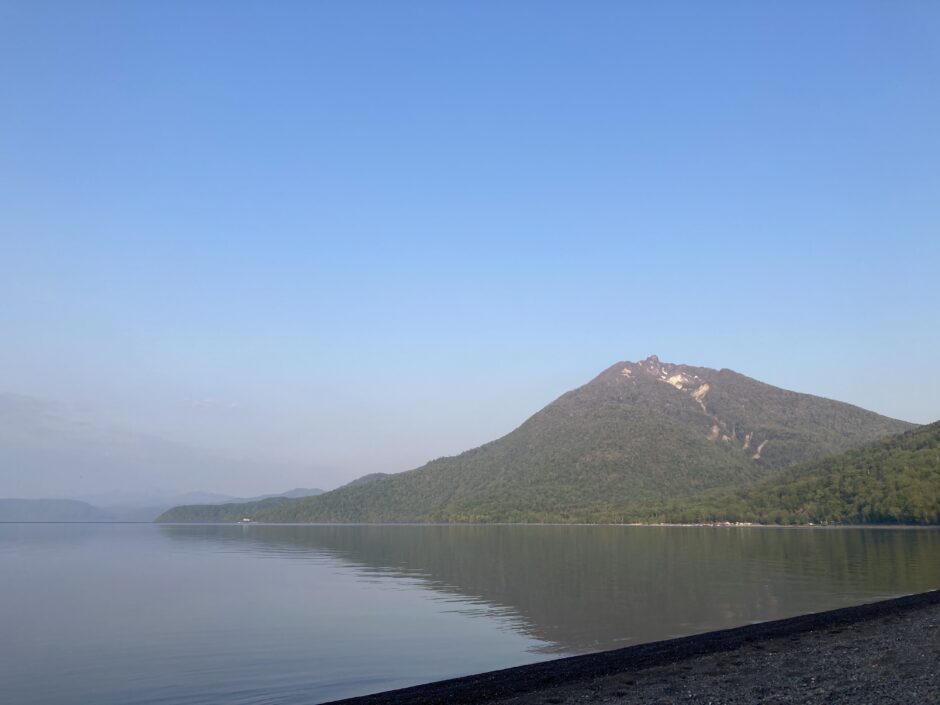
<point>247,247</point>
<point>48,451</point>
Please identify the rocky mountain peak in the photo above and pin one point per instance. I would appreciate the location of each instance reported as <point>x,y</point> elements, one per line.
<point>679,376</point>
<point>696,383</point>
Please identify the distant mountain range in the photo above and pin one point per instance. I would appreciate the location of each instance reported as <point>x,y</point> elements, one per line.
<point>50,510</point>
<point>238,509</point>
<point>48,449</point>
<point>145,508</point>
<point>45,446</point>
<point>638,435</point>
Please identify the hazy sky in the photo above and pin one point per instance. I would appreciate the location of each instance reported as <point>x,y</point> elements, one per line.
<point>353,236</point>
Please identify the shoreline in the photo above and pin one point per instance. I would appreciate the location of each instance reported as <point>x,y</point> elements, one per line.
<point>712,525</point>
<point>813,647</point>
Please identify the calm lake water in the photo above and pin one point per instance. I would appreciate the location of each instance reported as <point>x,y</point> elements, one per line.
<point>108,614</point>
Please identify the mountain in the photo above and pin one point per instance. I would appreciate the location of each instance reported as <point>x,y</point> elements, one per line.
<point>896,480</point>
<point>639,432</point>
<point>50,510</point>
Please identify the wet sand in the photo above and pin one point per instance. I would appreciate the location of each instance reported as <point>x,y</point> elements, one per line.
<point>883,652</point>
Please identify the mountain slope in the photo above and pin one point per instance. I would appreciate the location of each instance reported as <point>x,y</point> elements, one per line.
<point>639,432</point>
<point>365,479</point>
<point>896,480</point>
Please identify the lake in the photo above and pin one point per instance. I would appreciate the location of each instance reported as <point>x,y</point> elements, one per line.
<point>138,613</point>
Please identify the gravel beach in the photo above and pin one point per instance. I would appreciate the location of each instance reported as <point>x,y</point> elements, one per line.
<point>889,660</point>
<point>885,652</point>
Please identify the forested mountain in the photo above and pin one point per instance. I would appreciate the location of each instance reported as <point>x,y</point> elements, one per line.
<point>640,432</point>
<point>896,480</point>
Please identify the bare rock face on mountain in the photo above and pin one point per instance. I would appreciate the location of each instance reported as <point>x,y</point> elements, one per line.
<point>639,431</point>
<point>771,426</point>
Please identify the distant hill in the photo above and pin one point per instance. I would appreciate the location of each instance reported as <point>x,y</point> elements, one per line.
<point>896,480</point>
<point>150,513</point>
<point>38,510</point>
<point>46,447</point>
<point>639,432</point>
<point>221,512</point>
<point>50,510</point>
<point>235,510</point>
<point>147,504</point>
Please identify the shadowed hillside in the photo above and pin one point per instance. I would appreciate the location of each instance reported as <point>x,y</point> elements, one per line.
<point>896,480</point>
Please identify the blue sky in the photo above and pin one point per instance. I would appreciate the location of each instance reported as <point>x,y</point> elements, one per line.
<point>352,236</point>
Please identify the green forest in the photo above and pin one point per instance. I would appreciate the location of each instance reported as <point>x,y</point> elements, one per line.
<point>896,481</point>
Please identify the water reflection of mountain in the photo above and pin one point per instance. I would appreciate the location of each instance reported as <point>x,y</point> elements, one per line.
<point>590,588</point>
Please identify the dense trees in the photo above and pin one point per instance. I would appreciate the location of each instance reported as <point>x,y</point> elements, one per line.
<point>896,481</point>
